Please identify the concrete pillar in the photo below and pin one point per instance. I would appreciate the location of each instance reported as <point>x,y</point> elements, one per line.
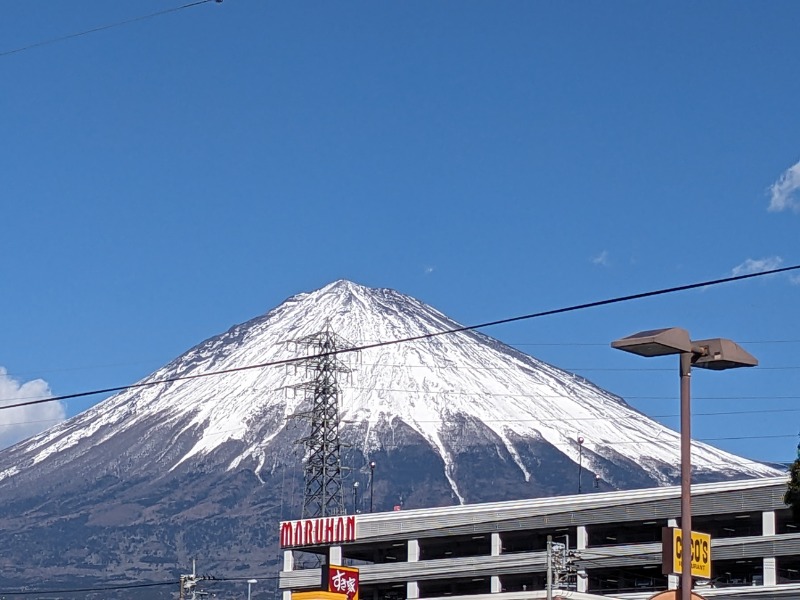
<point>583,538</point>
<point>497,549</point>
<point>288,560</point>
<point>770,571</point>
<point>412,587</point>
<point>288,565</point>
<point>770,563</point>
<point>497,544</point>
<point>496,588</point>
<point>412,590</point>
<point>582,583</point>
<point>413,550</point>
<point>768,522</point>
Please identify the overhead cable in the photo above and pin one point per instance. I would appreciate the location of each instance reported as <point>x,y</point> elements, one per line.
<point>380,344</point>
<point>104,27</point>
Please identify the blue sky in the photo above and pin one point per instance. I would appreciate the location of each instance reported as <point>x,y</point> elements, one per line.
<point>165,179</point>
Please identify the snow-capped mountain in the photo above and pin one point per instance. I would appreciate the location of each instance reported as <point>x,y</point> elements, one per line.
<point>450,418</point>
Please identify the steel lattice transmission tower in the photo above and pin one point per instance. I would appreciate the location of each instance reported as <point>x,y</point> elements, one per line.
<point>324,491</point>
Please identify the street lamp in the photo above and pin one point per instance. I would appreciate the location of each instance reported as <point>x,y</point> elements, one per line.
<point>580,461</point>
<point>249,583</point>
<point>716,354</point>
<point>371,489</point>
<point>355,497</point>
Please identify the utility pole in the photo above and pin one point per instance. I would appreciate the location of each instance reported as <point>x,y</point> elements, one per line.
<point>549,567</point>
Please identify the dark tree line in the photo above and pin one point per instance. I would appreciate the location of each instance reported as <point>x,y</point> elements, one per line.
<point>792,496</point>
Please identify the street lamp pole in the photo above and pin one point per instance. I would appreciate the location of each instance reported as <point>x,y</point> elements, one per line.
<point>716,354</point>
<point>580,461</point>
<point>371,488</point>
<point>686,474</point>
<point>249,583</point>
<point>355,497</point>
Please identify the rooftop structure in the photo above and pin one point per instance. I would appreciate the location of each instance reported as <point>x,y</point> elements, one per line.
<point>498,551</point>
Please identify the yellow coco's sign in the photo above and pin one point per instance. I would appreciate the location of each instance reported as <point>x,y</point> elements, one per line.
<point>673,552</point>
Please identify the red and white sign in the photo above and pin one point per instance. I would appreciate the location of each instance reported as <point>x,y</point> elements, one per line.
<point>325,530</point>
<point>342,580</point>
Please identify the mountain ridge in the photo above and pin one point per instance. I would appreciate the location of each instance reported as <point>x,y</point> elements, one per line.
<point>425,399</point>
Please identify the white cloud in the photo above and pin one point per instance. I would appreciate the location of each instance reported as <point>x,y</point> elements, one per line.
<point>758,266</point>
<point>784,192</point>
<point>601,259</point>
<point>16,424</point>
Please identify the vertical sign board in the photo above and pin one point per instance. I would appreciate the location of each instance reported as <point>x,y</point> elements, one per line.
<point>672,553</point>
<point>342,580</point>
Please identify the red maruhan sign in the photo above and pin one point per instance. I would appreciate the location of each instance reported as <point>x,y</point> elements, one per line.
<point>325,530</point>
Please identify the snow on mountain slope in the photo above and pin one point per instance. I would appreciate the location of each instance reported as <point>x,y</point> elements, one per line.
<point>439,387</point>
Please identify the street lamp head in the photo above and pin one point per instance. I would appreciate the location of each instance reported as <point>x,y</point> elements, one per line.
<point>719,354</point>
<point>252,581</point>
<point>656,342</point>
<point>355,484</point>
<point>372,464</point>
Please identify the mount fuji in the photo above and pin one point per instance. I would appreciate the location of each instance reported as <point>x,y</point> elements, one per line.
<point>205,463</point>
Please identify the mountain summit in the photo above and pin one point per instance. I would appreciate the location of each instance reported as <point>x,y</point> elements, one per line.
<point>451,418</point>
<point>450,393</point>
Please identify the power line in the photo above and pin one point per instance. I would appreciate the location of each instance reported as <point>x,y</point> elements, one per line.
<point>451,436</point>
<point>602,441</point>
<point>542,420</point>
<point>604,344</point>
<point>454,437</point>
<point>454,367</point>
<point>575,370</point>
<point>89,589</point>
<point>483,394</point>
<point>205,578</point>
<point>104,27</point>
<point>92,367</point>
<point>424,336</point>
<point>15,423</point>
